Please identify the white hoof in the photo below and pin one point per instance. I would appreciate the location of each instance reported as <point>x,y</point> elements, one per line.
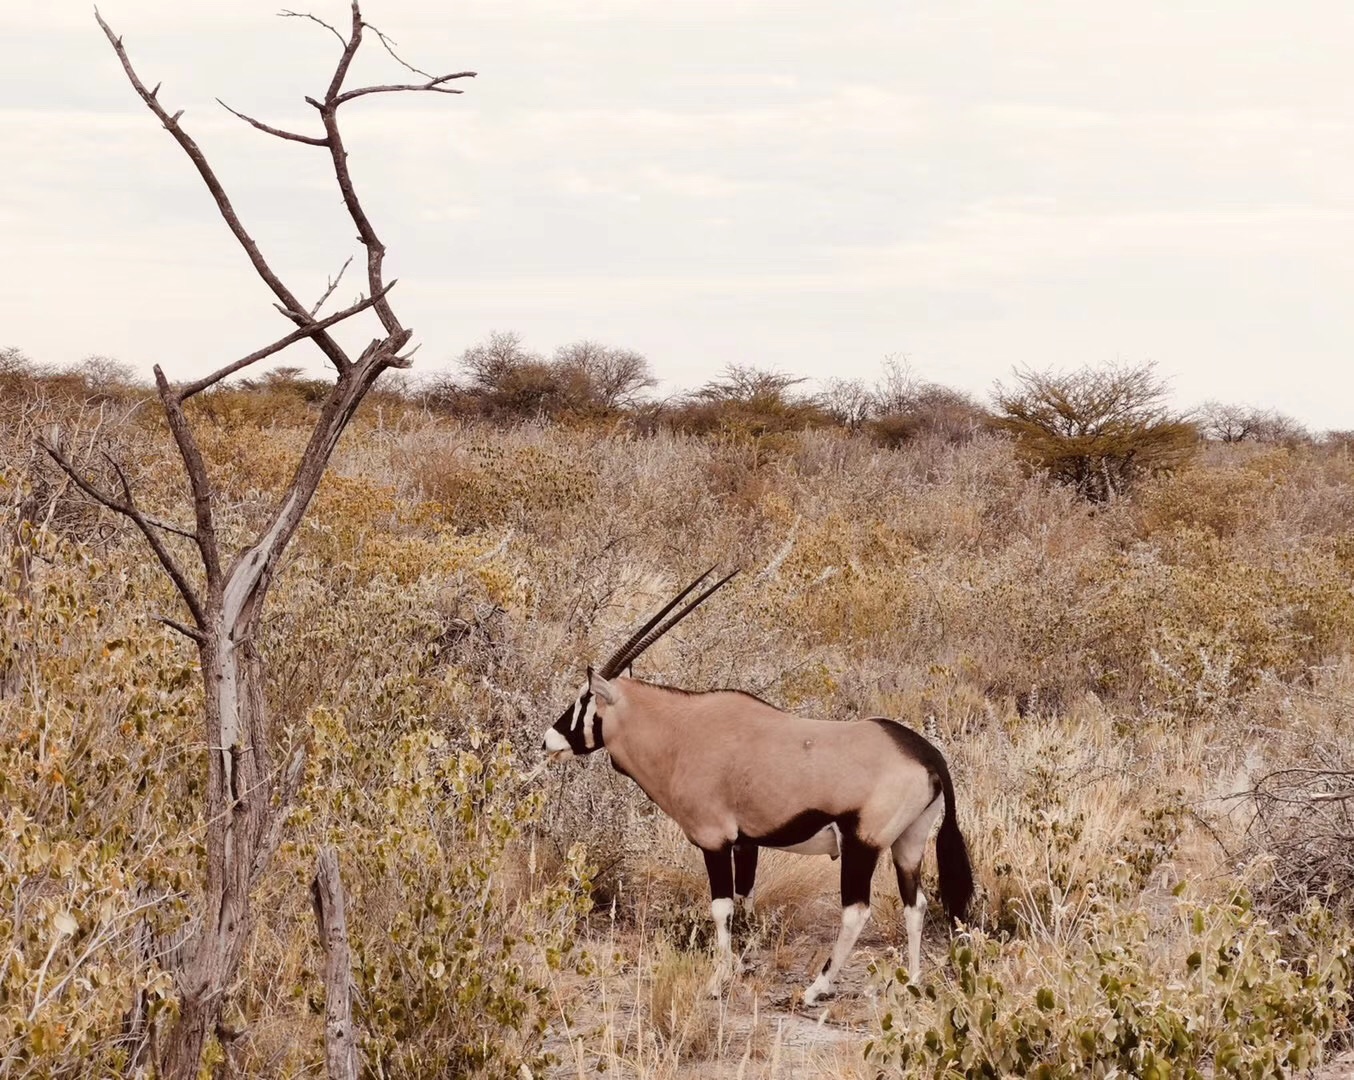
<point>819,989</point>
<point>724,973</point>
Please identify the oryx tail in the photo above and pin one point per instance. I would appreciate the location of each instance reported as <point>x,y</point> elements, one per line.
<point>952,862</point>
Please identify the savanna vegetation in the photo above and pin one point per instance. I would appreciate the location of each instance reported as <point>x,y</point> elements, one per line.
<point>276,654</point>
<point>1144,700</point>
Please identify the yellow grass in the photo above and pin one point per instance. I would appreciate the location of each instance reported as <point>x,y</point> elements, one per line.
<point>1104,682</point>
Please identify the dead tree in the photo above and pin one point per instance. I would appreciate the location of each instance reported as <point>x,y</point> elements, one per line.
<point>248,793</point>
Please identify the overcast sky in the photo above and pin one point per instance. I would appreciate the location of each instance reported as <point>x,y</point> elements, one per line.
<point>807,186</point>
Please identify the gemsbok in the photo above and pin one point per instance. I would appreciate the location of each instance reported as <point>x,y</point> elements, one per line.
<point>737,774</point>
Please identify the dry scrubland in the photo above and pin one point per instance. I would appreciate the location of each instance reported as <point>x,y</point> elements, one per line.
<point>1110,684</point>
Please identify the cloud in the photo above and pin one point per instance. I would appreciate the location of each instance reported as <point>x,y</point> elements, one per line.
<point>982,182</point>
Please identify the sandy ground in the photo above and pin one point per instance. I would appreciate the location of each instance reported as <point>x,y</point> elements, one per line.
<point>758,1029</point>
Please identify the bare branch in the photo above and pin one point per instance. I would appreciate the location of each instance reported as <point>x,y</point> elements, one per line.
<point>340,1040</point>
<point>286,14</point>
<point>186,631</point>
<point>310,140</point>
<point>286,789</point>
<point>189,389</point>
<point>165,526</point>
<point>326,343</point>
<point>196,468</point>
<point>129,509</point>
<point>432,85</point>
<point>333,284</point>
<point>298,317</point>
<point>346,60</point>
<point>328,109</point>
<point>389,44</point>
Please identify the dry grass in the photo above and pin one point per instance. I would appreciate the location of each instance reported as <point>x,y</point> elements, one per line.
<point>1107,683</point>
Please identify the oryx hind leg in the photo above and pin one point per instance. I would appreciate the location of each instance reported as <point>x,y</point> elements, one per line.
<point>908,850</point>
<point>719,868</point>
<point>858,863</point>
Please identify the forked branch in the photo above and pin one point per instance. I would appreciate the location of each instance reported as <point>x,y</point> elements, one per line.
<point>187,390</point>
<point>328,110</point>
<point>246,802</point>
<point>434,85</point>
<point>171,122</point>
<point>331,286</point>
<point>127,508</point>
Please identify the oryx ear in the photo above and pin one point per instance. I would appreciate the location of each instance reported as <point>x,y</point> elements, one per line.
<point>601,689</point>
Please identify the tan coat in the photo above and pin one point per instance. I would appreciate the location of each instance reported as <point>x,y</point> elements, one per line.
<point>743,769</point>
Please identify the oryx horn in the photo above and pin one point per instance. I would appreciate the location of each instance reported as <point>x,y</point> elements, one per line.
<point>650,632</point>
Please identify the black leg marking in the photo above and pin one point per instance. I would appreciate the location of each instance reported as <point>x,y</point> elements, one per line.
<point>908,881</point>
<point>858,863</point>
<point>719,866</point>
<point>744,868</point>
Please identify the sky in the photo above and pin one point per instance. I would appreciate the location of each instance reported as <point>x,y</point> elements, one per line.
<point>972,186</point>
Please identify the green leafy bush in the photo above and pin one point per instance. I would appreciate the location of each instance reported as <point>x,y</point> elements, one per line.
<point>454,923</point>
<point>1217,991</point>
<point>97,845</point>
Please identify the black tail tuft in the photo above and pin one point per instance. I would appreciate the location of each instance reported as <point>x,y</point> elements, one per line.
<point>952,862</point>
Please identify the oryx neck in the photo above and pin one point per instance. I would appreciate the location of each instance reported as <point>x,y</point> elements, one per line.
<point>643,739</point>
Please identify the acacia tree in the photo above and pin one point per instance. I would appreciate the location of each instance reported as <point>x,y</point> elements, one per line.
<point>1096,429</point>
<point>247,793</point>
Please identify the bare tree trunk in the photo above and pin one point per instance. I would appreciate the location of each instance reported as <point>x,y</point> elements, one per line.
<point>340,1038</point>
<point>247,801</point>
<point>240,784</point>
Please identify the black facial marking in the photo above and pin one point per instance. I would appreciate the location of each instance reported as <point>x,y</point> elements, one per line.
<point>571,725</point>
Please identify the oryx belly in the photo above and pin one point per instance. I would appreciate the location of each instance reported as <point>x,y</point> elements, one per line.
<point>826,841</point>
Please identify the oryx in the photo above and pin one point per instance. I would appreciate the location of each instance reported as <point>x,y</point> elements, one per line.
<point>737,774</point>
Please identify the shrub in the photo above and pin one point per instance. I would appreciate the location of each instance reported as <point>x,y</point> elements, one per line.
<point>615,378</point>
<point>1217,992</point>
<point>1097,430</point>
<point>454,926</point>
<point>1242,423</point>
<point>747,402</point>
<point>905,407</point>
<point>97,852</point>
<point>505,382</point>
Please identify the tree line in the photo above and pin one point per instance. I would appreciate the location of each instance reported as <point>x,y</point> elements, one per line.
<point>1096,429</point>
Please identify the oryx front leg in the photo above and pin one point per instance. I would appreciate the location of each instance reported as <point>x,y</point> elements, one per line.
<point>719,867</point>
<point>858,862</point>
<point>744,873</point>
